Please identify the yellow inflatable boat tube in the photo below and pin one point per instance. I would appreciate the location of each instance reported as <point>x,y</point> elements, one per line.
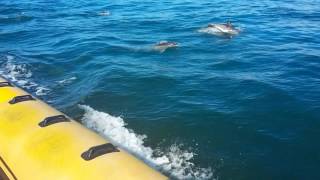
<point>38,142</point>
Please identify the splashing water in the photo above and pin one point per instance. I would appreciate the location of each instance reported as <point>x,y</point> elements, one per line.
<point>21,75</point>
<point>175,161</point>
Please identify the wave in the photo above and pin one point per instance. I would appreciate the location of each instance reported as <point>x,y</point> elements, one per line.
<point>173,161</point>
<point>21,75</point>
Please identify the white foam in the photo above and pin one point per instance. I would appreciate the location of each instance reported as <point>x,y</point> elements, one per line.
<point>41,91</point>
<point>174,161</point>
<point>21,75</point>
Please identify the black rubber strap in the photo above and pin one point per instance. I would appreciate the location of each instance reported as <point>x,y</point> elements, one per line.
<point>8,168</point>
<point>18,99</point>
<point>53,120</point>
<point>5,84</point>
<point>3,175</point>
<point>100,150</point>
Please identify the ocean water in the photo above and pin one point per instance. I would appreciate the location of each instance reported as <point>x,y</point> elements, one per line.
<point>246,107</point>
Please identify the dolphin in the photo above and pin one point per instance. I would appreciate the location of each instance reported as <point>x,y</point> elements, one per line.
<point>164,45</point>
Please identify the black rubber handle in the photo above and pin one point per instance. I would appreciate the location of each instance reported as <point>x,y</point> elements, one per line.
<point>18,99</point>
<point>5,84</point>
<point>53,120</point>
<point>100,150</point>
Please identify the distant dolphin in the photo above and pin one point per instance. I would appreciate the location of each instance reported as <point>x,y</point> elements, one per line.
<point>226,29</point>
<point>104,13</point>
<point>164,45</point>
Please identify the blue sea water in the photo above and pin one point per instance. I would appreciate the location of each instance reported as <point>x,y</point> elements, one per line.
<point>246,107</point>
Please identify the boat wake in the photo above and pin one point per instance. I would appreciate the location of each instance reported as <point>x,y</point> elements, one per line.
<point>174,161</point>
<point>21,75</point>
